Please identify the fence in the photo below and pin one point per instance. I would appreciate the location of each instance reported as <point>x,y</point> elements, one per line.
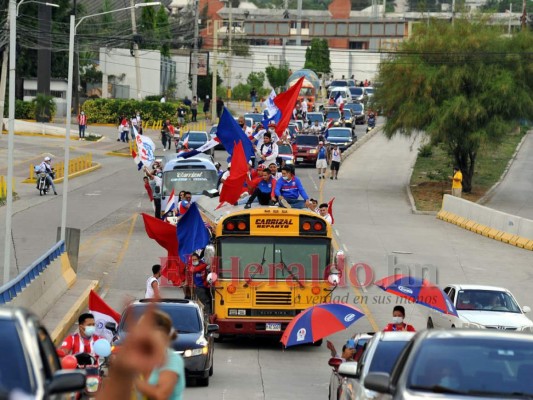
<point>11,289</point>
<point>76,165</point>
<point>3,186</point>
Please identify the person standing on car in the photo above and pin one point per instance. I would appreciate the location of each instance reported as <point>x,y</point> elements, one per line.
<point>202,290</point>
<point>397,324</point>
<point>335,161</point>
<point>152,283</point>
<point>321,160</point>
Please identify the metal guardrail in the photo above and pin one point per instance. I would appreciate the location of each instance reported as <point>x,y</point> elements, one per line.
<point>11,289</point>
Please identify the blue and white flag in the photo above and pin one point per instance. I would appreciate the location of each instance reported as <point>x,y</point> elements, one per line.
<point>145,147</point>
<point>272,112</point>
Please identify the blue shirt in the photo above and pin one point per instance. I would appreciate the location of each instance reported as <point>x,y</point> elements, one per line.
<point>266,186</point>
<point>322,153</point>
<point>291,189</point>
<point>175,364</point>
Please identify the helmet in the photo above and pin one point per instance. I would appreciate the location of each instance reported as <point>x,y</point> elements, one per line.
<point>47,159</point>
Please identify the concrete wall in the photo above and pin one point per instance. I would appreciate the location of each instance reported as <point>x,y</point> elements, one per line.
<point>362,64</point>
<point>46,289</point>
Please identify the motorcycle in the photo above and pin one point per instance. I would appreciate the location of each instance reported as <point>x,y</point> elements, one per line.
<point>42,183</point>
<point>371,123</point>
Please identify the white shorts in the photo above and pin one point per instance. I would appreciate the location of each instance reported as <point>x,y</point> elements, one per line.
<point>321,163</point>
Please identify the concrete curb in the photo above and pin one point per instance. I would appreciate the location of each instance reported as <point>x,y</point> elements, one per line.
<point>74,175</point>
<point>115,154</point>
<point>480,229</point>
<point>491,191</point>
<point>415,210</point>
<point>72,315</point>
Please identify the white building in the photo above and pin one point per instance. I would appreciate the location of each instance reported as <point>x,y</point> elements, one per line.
<point>58,90</point>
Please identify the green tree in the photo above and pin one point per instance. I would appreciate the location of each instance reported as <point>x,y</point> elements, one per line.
<point>465,85</point>
<point>256,79</point>
<point>317,56</point>
<point>277,76</point>
<point>163,31</point>
<point>148,27</point>
<point>205,84</point>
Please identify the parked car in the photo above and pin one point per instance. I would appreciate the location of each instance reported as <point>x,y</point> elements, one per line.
<point>213,134</point>
<point>482,307</point>
<point>29,361</point>
<point>358,110</point>
<point>341,136</point>
<point>195,139</point>
<point>358,95</point>
<point>460,364</point>
<point>195,341</point>
<point>305,149</point>
<point>380,355</point>
<point>360,342</point>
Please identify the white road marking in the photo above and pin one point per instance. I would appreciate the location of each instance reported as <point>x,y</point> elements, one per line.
<point>337,232</point>
<point>402,252</point>
<point>345,248</point>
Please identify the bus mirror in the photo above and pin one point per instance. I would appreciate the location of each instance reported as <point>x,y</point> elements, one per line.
<point>339,259</point>
<point>209,253</point>
<point>333,279</point>
<point>212,277</point>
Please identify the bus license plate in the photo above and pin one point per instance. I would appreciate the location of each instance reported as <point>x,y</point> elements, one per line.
<point>299,159</point>
<point>273,326</point>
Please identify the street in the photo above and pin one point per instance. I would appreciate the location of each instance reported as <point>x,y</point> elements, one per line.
<point>374,225</point>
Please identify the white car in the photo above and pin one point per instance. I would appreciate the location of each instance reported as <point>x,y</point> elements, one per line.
<point>482,307</point>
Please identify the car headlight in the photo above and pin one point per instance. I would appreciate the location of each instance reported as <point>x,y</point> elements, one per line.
<point>312,151</point>
<point>195,352</point>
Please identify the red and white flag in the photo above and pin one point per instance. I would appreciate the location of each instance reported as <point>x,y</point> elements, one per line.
<point>103,314</point>
<point>330,210</point>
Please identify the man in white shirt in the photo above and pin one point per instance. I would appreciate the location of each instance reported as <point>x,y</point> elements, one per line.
<point>304,108</point>
<point>335,161</point>
<point>323,211</point>
<point>267,151</point>
<point>315,128</point>
<point>152,283</point>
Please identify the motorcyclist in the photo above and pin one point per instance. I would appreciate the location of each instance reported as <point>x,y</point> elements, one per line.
<point>83,340</point>
<point>371,120</point>
<point>46,168</point>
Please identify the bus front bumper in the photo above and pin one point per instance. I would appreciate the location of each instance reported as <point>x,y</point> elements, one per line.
<point>250,326</point>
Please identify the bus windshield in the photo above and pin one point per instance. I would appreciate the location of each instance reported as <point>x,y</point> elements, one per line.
<point>307,258</point>
<point>194,181</point>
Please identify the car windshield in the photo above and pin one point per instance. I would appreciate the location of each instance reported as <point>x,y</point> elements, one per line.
<point>356,91</point>
<point>292,129</point>
<point>495,367</point>
<point>213,130</point>
<point>305,257</point>
<point>185,319</point>
<point>338,83</point>
<point>312,117</point>
<point>347,114</point>
<point>333,114</point>
<point>254,117</point>
<point>193,180</point>
<point>197,137</point>
<point>307,140</point>
<point>337,132</point>
<point>15,373</point>
<point>486,300</point>
<point>369,90</point>
<point>385,355</point>
<point>284,149</point>
<point>355,107</point>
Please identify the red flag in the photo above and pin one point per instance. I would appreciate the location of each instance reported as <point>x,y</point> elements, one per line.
<point>285,103</point>
<point>330,210</point>
<point>232,188</point>
<point>103,314</point>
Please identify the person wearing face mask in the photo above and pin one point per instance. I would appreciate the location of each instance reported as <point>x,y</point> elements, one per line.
<point>82,125</point>
<point>267,151</point>
<point>289,189</point>
<point>199,276</point>
<point>156,183</point>
<point>397,324</point>
<point>83,340</point>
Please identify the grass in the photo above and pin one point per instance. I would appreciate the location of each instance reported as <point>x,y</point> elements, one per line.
<point>429,181</point>
<point>93,137</point>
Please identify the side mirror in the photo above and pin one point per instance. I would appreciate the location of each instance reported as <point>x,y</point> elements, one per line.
<point>348,368</point>
<point>66,381</point>
<point>209,253</point>
<point>335,362</point>
<point>526,309</point>
<point>333,279</point>
<point>212,328</point>
<point>212,277</point>
<point>378,382</point>
<point>111,326</point>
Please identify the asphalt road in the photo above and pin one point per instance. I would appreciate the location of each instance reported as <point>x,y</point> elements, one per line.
<point>374,223</point>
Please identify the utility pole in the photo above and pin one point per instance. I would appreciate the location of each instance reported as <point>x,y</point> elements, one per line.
<point>44,54</point>
<point>230,46</point>
<point>453,12</point>
<point>523,18</point>
<point>194,61</point>
<point>136,50</point>
<point>214,71</point>
<point>3,78</point>
<point>510,16</point>
<point>299,24</point>
<point>284,39</point>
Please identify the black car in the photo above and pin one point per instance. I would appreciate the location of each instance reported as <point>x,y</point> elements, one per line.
<point>195,342</point>
<point>358,111</point>
<point>29,360</point>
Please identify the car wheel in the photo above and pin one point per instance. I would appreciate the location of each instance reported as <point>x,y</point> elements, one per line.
<point>203,382</point>
<point>430,324</point>
<point>318,343</point>
<point>211,370</point>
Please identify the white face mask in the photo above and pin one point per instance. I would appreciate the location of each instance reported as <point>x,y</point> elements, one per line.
<point>195,263</point>
<point>397,320</point>
<point>89,330</point>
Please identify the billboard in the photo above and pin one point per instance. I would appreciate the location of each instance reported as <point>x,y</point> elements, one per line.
<point>199,62</point>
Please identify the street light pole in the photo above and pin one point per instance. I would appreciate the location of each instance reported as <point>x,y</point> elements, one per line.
<point>194,62</point>
<point>73,27</point>
<point>136,51</point>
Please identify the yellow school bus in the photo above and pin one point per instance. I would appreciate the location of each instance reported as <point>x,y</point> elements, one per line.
<point>271,263</point>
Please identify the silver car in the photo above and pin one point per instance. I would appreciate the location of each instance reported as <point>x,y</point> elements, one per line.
<point>380,355</point>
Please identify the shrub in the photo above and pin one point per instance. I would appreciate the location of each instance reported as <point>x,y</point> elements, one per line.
<point>23,110</point>
<point>425,151</point>
<point>108,110</point>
